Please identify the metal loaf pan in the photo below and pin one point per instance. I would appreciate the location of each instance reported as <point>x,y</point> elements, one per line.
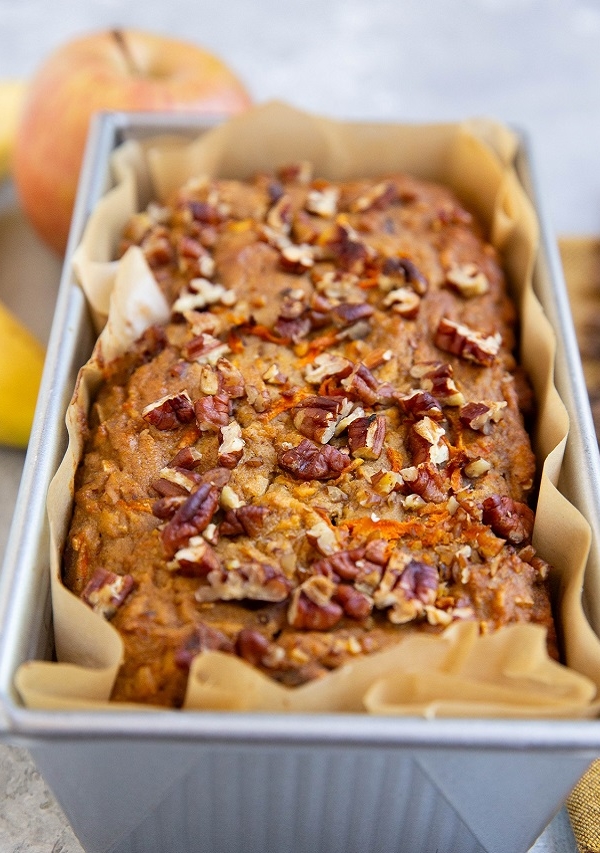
<point>170,781</point>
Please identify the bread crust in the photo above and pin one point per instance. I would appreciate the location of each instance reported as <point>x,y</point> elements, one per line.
<point>326,446</point>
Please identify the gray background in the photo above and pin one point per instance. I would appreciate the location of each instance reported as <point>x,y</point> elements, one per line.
<point>533,63</point>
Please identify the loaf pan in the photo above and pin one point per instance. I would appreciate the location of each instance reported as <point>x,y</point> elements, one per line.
<point>131,781</point>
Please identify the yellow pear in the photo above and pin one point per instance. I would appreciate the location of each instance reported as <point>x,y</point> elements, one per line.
<point>21,363</point>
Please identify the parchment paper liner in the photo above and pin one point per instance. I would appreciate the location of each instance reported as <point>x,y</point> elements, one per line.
<point>459,672</point>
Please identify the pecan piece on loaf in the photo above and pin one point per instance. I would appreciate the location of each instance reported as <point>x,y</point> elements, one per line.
<point>191,518</point>
<point>309,461</point>
<point>170,412</point>
<point>106,591</point>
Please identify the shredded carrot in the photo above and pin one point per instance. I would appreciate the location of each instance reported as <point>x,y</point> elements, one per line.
<point>285,403</point>
<point>395,458</point>
<point>317,346</point>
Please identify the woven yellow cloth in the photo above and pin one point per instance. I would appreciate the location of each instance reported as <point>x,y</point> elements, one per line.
<point>583,806</point>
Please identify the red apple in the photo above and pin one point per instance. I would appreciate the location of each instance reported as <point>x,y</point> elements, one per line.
<point>111,70</point>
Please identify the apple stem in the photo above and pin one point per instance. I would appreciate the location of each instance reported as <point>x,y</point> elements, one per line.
<point>119,37</point>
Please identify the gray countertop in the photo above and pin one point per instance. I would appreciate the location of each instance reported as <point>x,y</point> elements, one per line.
<point>533,63</point>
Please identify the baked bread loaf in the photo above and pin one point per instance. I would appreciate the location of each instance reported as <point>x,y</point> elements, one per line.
<point>326,446</point>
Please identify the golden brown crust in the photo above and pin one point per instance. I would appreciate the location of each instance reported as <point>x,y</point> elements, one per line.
<point>323,448</point>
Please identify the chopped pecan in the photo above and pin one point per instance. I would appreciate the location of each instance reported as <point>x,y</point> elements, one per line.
<point>386,482</point>
<point>274,376</point>
<point>253,581</point>
<point>293,330</point>
<point>191,518</point>
<point>208,380</point>
<point>377,357</point>
<point>427,442</point>
<point>311,606</point>
<point>336,284</point>
<point>403,301</point>
<point>317,417</point>
<point>468,344</point>
<point>157,248</point>
<point>325,365</point>
<point>468,280</point>
<point>355,604</point>
<point>298,173</point>
<point>323,202</point>
<point>176,481</point>
<point>293,304</point>
<point>408,586</point>
<point>167,506</point>
<point>196,559</point>
<point>231,381</point>
<point>362,384</point>
<point>279,215</point>
<point>217,477</point>
<point>309,461</point>
<point>170,411</point>
<point>212,292</point>
<point>208,213</point>
<point>419,404</point>
<point>436,377</point>
<point>212,412</point>
<point>377,197</point>
<point>297,258</point>
<point>366,436</point>
<point>231,445</point>
<point>202,638</point>
<point>481,416</point>
<point>508,518</point>
<point>258,398</point>
<point>399,270</point>
<point>322,537</point>
<point>348,313</point>
<point>204,348</point>
<point>187,457</point>
<point>230,499</point>
<point>346,247</point>
<point>477,468</point>
<point>424,480</point>
<point>245,520</point>
<point>252,645</point>
<point>363,566</point>
<point>106,591</point>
